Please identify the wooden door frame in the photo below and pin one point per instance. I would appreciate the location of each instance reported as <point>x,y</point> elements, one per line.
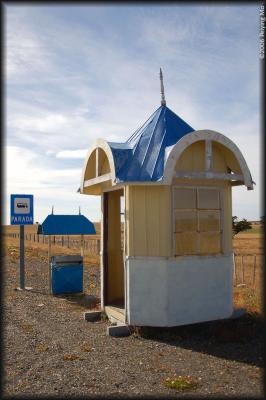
<point>105,216</point>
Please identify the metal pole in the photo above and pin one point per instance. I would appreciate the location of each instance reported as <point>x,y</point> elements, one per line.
<point>21,261</point>
<point>49,266</point>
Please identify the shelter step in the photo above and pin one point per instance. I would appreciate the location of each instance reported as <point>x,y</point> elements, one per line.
<point>92,316</point>
<point>118,330</point>
<point>115,314</point>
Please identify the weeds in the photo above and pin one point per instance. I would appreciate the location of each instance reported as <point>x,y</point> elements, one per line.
<point>181,383</point>
<point>70,357</point>
<point>104,316</point>
<point>85,348</point>
<point>27,328</point>
<point>42,347</point>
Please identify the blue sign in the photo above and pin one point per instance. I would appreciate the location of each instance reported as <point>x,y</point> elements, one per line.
<point>21,209</point>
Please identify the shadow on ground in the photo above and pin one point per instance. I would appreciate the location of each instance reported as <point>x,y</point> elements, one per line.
<point>239,339</point>
<point>82,300</point>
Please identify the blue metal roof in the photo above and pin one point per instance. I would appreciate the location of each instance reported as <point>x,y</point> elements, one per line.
<point>66,225</point>
<point>141,157</point>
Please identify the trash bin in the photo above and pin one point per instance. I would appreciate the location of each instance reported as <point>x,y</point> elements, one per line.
<point>67,274</point>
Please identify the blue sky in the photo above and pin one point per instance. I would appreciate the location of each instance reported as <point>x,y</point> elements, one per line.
<point>75,73</point>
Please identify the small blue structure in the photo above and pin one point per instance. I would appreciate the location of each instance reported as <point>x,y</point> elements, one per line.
<point>66,225</point>
<point>66,272</point>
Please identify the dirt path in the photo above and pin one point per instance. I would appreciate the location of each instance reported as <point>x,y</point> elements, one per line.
<point>51,350</point>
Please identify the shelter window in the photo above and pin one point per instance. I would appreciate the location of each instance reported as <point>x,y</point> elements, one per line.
<point>197,221</point>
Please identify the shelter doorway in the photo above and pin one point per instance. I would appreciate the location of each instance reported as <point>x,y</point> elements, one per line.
<point>113,249</point>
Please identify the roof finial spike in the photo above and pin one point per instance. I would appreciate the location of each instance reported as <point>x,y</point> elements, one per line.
<point>52,210</point>
<point>163,102</point>
<point>79,211</point>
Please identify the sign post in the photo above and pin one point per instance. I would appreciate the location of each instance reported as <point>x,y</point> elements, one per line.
<point>22,214</point>
<point>21,259</point>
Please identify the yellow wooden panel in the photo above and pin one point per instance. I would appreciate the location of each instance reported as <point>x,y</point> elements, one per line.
<point>193,158</point>
<point>104,166</point>
<point>210,242</point>
<point>208,198</point>
<point>218,160</point>
<point>165,221</point>
<point>152,207</point>
<point>185,221</point>
<point>229,157</point>
<point>184,198</point>
<point>148,220</point>
<point>139,220</point>
<point>209,220</point>
<point>186,243</point>
<point>227,218</point>
<point>91,167</point>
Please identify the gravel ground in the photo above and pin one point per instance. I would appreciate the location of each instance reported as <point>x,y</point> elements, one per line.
<point>50,350</point>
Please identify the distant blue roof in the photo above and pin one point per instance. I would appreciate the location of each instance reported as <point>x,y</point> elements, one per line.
<point>66,225</point>
<point>141,157</point>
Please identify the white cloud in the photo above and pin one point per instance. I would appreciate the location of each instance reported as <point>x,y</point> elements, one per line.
<point>72,154</point>
<point>24,172</point>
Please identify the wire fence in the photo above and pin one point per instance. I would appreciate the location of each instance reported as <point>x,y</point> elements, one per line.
<point>248,268</point>
<point>91,245</point>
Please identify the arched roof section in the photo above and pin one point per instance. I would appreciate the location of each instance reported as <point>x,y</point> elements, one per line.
<point>91,164</point>
<point>174,152</point>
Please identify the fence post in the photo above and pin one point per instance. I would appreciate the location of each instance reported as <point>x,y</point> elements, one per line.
<point>82,245</point>
<point>98,246</point>
<point>242,268</point>
<point>234,264</point>
<point>254,270</point>
<point>68,241</point>
<point>62,241</point>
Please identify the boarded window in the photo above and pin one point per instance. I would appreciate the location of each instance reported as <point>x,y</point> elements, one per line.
<point>208,198</point>
<point>209,220</point>
<point>185,221</point>
<point>184,198</point>
<point>197,221</point>
<point>186,243</point>
<point>210,243</point>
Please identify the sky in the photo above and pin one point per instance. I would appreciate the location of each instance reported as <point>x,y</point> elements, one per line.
<point>75,73</point>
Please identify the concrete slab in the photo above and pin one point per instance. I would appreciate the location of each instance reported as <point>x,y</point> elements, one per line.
<point>92,316</point>
<point>118,330</point>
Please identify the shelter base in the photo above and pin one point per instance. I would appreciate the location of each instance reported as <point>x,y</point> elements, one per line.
<point>178,291</point>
